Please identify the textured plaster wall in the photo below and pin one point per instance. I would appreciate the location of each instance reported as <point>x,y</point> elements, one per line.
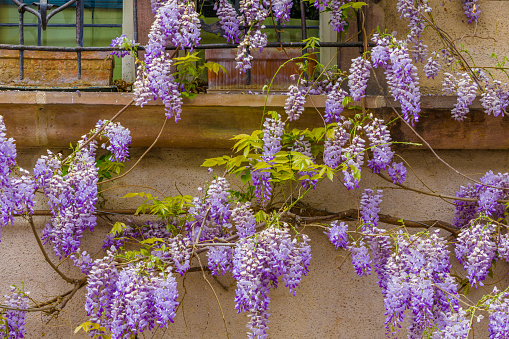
<point>332,301</point>
<point>478,40</point>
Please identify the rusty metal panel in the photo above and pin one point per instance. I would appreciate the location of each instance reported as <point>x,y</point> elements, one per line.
<point>264,65</point>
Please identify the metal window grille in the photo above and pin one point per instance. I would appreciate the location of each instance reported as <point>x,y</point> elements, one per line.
<point>46,11</point>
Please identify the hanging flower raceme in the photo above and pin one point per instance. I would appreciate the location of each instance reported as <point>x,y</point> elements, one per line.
<point>119,140</point>
<point>228,19</point>
<point>273,129</point>
<point>176,24</point>
<point>413,11</point>
<point>257,264</point>
<point>397,172</point>
<point>211,214</point>
<point>338,20</point>
<point>432,67</point>
<point>370,207</point>
<point>418,279</point>
<point>16,320</point>
<point>495,98</point>
<point>244,220</point>
<point>333,146</point>
<point>476,250</point>
<point>466,94</point>
<point>358,78</point>
<point>353,155</point>
<point>401,75</point>
<point>471,9</point>
<point>491,188</point>
<point>72,198</point>
<point>380,143</point>
<point>499,317</point>
<point>294,105</point>
<point>17,187</point>
<point>252,15</point>
<point>334,103</point>
<point>132,301</point>
<point>282,9</point>
<point>337,234</point>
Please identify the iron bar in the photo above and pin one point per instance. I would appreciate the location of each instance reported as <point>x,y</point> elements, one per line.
<point>303,20</point>
<point>80,7</point>
<point>360,37</point>
<point>60,25</point>
<point>21,10</point>
<point>39,32</point>
<point>135,20</point>
<point>204,46</point>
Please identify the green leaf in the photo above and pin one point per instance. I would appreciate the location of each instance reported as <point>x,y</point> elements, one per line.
<point>330,174</point>
<point>117,228</point>
<point>152,240</point>
<point>261,216</point>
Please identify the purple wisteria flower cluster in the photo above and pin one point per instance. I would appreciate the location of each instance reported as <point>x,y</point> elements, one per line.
<point>281,9</point>
<point>258,262</point>
<point>337,234</point>
<point>133,300</point>
<point>252,15</point>
<point>228,19</point>
<point>466,90</point>
<point>370,207</point>
<point>119,140</point>
<point>121,42</point>
<point>358,78</point>
<point>380,144</point>
<point>413,11</point>
<point>15,319</point>
<point>273,130</point>
<point>432,67</point>
<point>499,315</point>
<point>476,250</point>
<point>495,98</point>
<point>338,20</point>
<point>17,188</point>
<point>471,9</point>
<point>401,74</point>
<point>244,220</point>
<point>353,156</point>
<point>419,280</point>
<point>397,172</point>
<point>491,188</point>
<point>176,24</point>
<point>333,146</point>
<point>294,105</point>
<point>211,214</point>
<point>334,103</point>
<point>72,198</point>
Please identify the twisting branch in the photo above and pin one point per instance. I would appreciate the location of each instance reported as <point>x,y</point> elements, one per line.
<point>50,308</point>
<point>438,195</point>
<point>353,214</point>
<point>427,144</point>
<point>41,247</point>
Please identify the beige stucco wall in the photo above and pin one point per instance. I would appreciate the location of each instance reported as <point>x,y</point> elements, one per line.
<point>332,301</point>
